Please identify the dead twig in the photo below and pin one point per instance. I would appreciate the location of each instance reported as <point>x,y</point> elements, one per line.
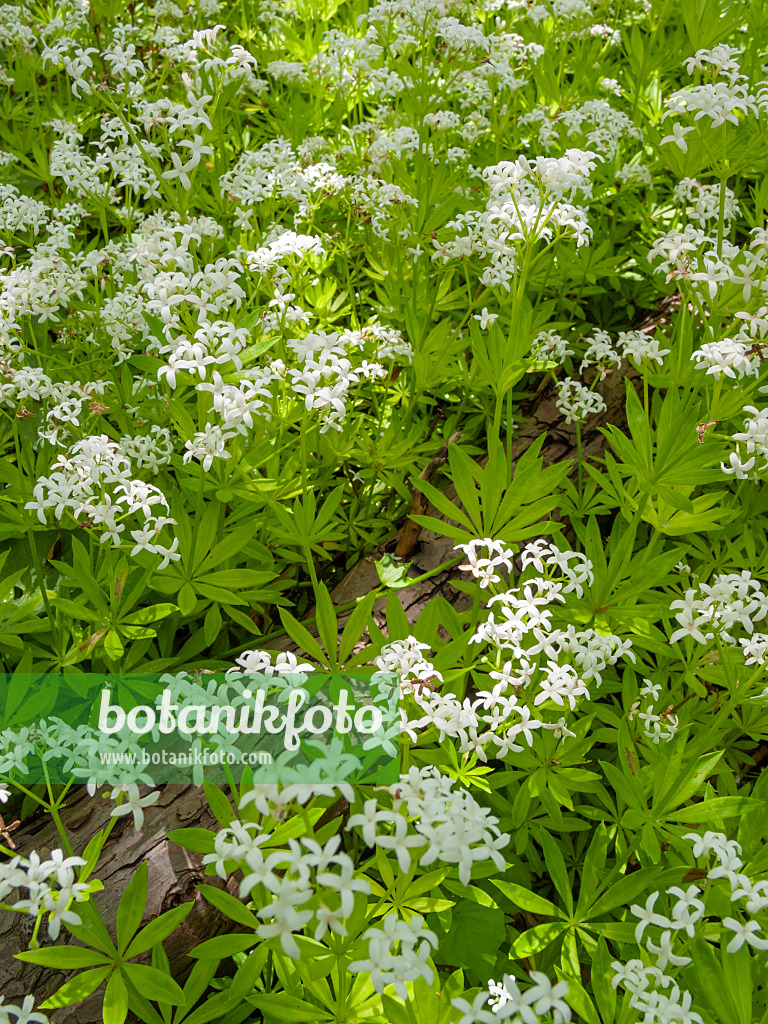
<point>5,832</point>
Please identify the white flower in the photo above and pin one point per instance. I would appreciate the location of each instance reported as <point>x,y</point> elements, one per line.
<point>179,171</point>
<point>483,569</point>
<point>647,916</point>
<point>207,445</point>
<point>23,1014</point>
<point>485,318</point>
<point>135,803</point>
<point>401,843</point>
<point>663,952</point>
<point>739,469</point>
<point>290,895</point>
<point>197,151</point>
<point>678,136</point>
<point>743,933</point>
<point>368,820</point>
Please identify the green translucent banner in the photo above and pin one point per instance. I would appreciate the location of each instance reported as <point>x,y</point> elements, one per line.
<point>198,727</point>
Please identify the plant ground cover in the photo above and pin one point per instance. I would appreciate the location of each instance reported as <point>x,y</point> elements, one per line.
<point>266,271</point>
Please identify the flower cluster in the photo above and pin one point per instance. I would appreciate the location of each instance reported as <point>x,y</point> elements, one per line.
<point>397,953</point>
<point>50,884</point>
<point>449,825</point>
<point>723,97</point>
<point>506,1001</point>
<point>754,438</point>
<point>577,402</point>
<point>656,727</point>
<point>653,991</point>
<point>535,664</point>
<point>484,568</point>
<point>731,601</point>
<point>94,480</point>
<point>528,201</point>
<point>319,879</point>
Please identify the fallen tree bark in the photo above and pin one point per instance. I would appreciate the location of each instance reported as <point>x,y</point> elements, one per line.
<point>174,875</point>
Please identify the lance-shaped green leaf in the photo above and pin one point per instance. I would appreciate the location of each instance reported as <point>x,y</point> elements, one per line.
<point>157,930</point>
<point>77,989</point>
<point>130,910</point>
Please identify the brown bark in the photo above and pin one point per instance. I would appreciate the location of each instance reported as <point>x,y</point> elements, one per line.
<point>173,877</point>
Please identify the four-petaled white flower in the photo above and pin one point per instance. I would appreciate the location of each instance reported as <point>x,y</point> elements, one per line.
<point>678,136</point>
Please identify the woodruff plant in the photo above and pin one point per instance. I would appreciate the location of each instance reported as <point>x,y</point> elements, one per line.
<point>274,276</point>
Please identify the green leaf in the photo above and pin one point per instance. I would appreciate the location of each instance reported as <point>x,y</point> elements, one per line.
<point>754,827</point>
<point>356,626</point>
<point>443,504</point>
<point>737,968</point>
<point>395,1011</point>
<point>464,470</point>
<point>196,985</point>
<point>243,620</point>
<point>281,1006</point>
<point>236,578</point>
<point>258,349</point>
<point>198,840</point>
<point>219,804</point>
<point>249,972</point>
<point>94,932</point>
<point>158,930</point>
<point>154,984</point>
<point>557,870</point>
<point>215,1008</point>
<point>535,939</point>
<point>443,529</point>
<point>115,1008</point>
<point>601,973</point>
<point>134,632</point>
<point>77,989</point>
<point>578,998</point>
<point>229,905</point>
<point>75,610</point>
<point>151,614</point>
<point>130,910</point>
<point>717,809</point>
<point>142,1009</point>
<point>212,625</point>
<point>705,976</point>
<point>594,864</point>
<point>684,788</point>
<point>113,645</point>
<point>474,937</point>
<point>232,545</point>
<point>187,599</point>
<point>619,931</point>
<point>525,899</point>
<point>393,574</point>
<point>64,957</point>
<point>301,636</point>
<point>623,892</point>
<point>326,623</point>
